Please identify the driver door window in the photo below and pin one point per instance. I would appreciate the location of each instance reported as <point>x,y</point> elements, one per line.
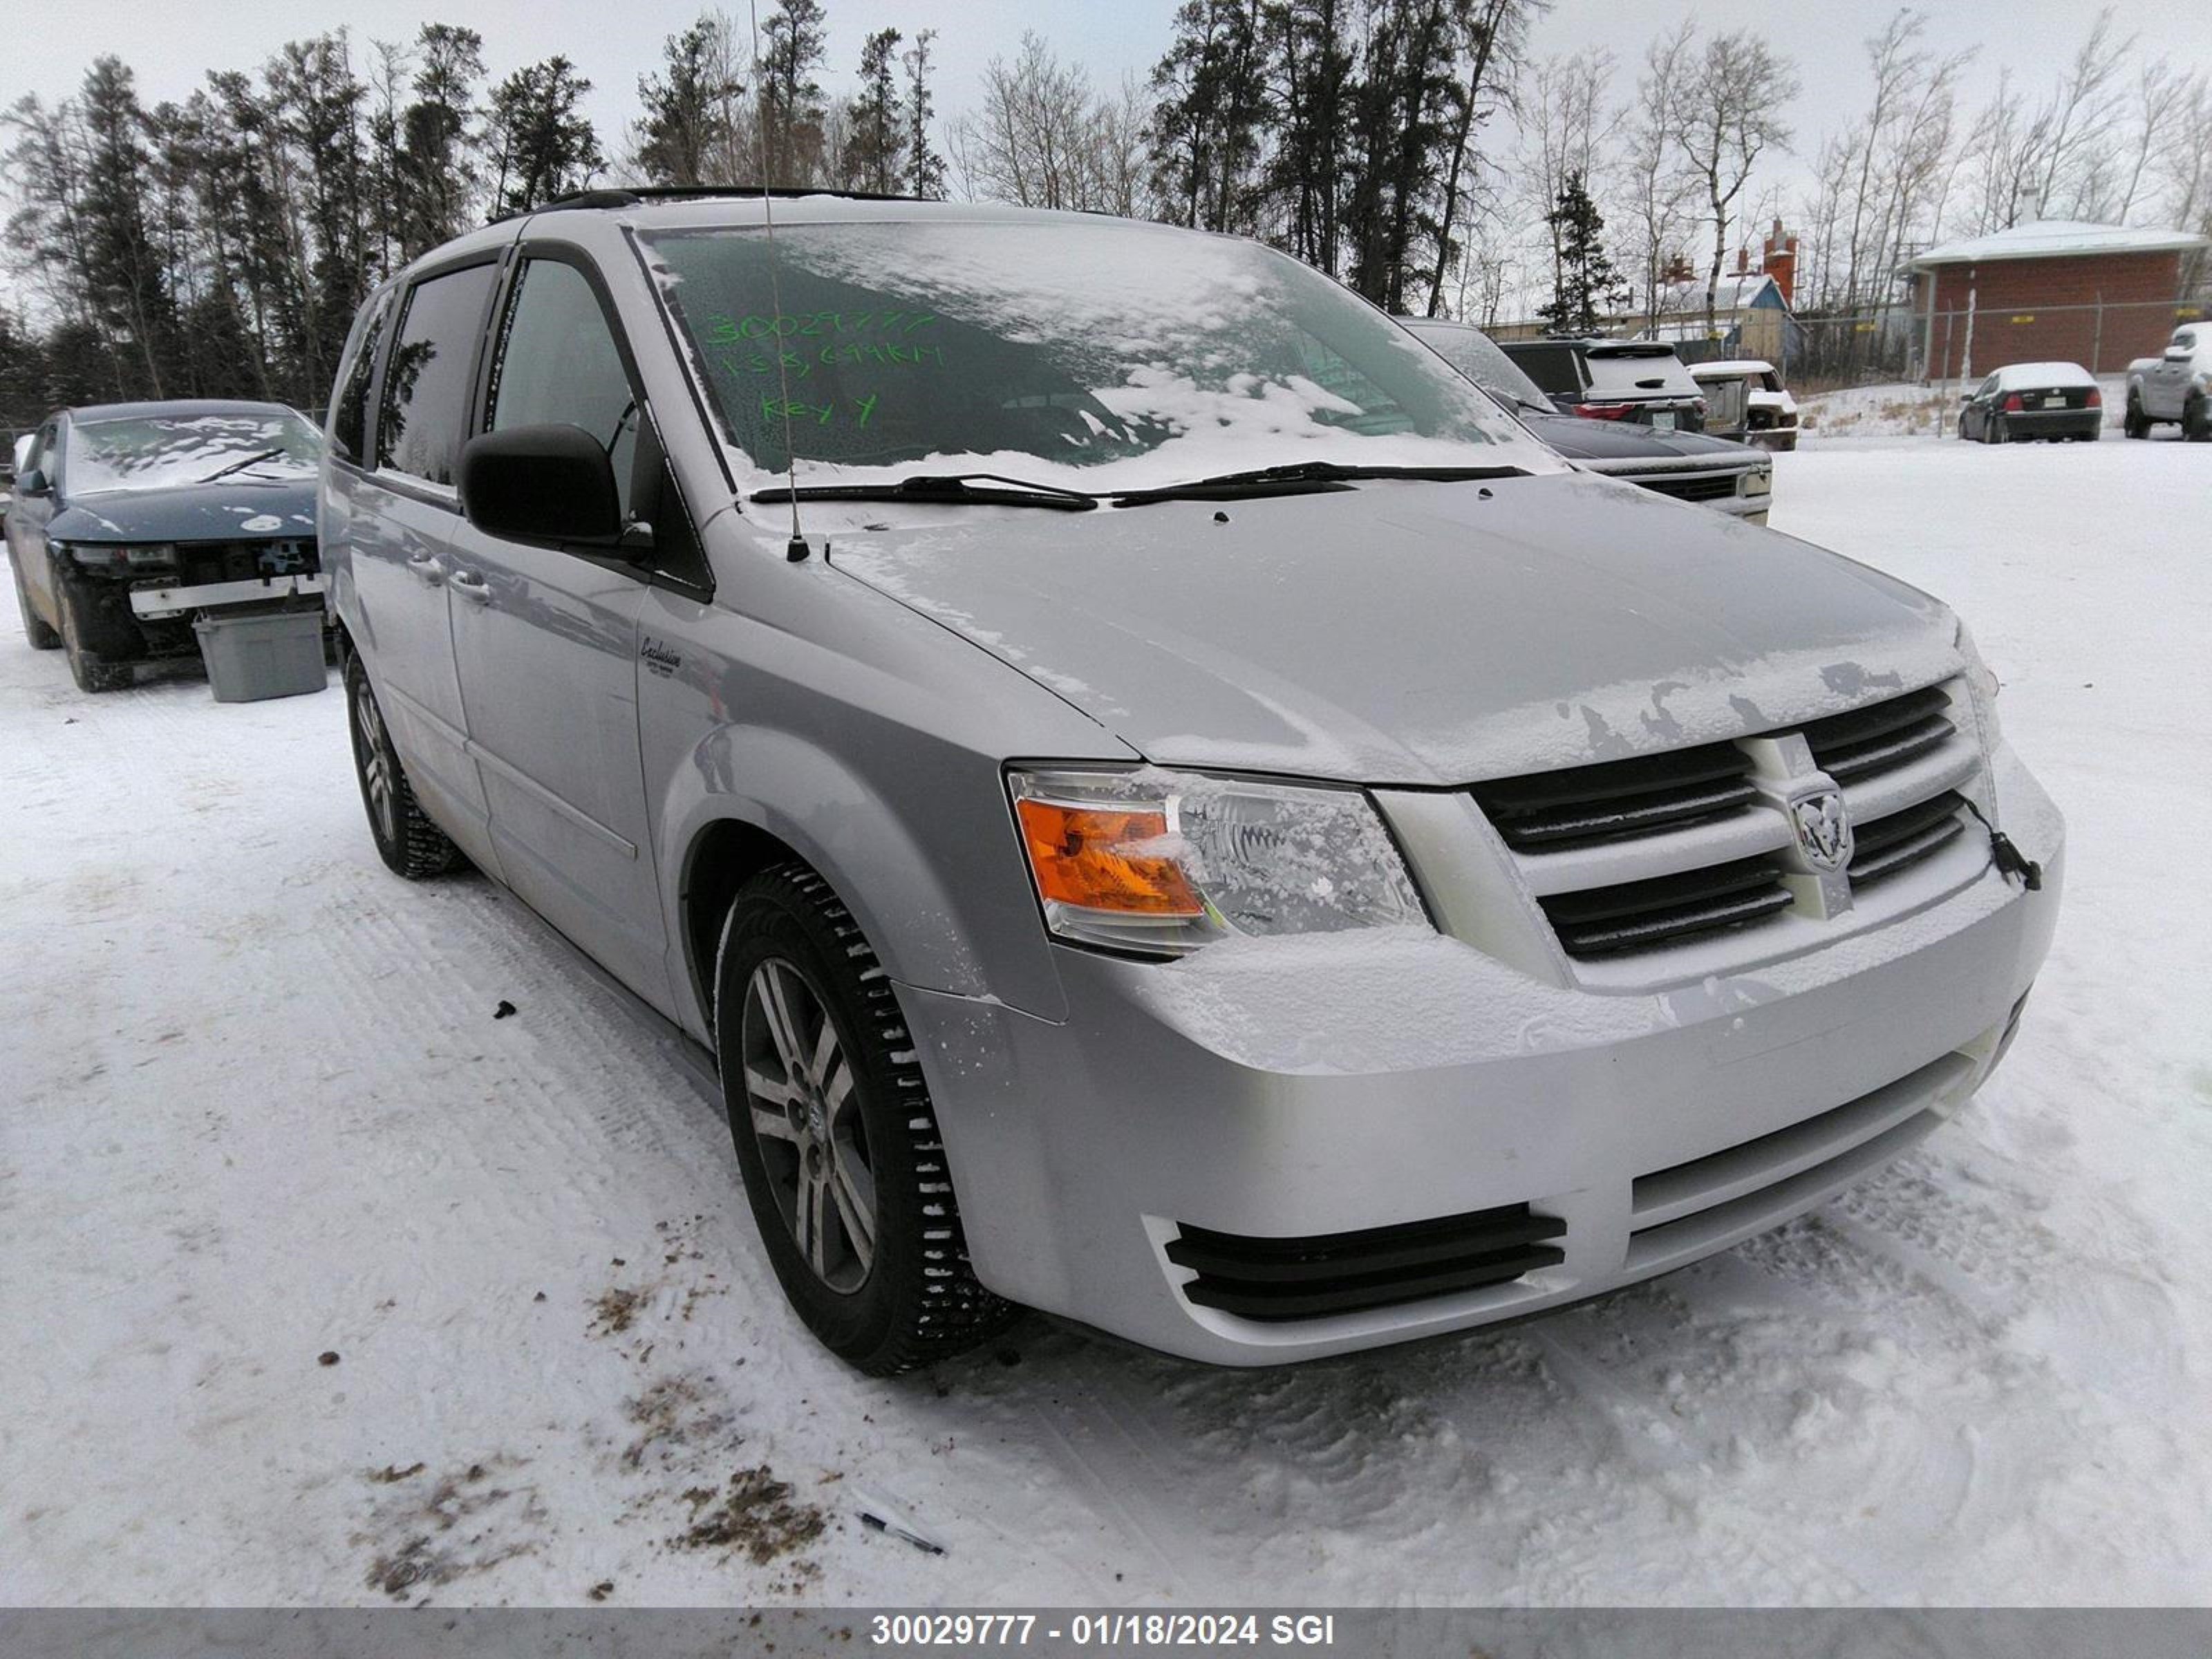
<point>558,365</point>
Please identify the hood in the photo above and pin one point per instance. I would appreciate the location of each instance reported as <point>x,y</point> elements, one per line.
<point>1416,632</point>
<point>229,510</point>
<point>1580,440</point>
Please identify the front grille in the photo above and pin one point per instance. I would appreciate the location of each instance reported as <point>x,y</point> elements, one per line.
<point>1640,916</point>
<point>1582,805</point>
<point>200,562</point>
<point>1900,841</point>
<point>1701,486</point>
<point>1280,1279</point>
<point>1868,742</point>
<point>1633,856</point>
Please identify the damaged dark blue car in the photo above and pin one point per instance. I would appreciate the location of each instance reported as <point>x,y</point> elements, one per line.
<point>131,520</point>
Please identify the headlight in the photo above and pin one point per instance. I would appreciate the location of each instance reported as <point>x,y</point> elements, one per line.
<point>153,553</point>
<point>1162,862</point>
<point>1759,480</point>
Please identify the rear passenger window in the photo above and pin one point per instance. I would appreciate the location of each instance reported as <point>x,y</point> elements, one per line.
<point>1552,368</point>
<point>558,367</point>
<point>426,385</point>
<point>350,402</point>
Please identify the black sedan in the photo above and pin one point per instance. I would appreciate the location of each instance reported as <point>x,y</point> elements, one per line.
<point>1735,479</point>
<point>2034,400</point>
<point>131,519</point>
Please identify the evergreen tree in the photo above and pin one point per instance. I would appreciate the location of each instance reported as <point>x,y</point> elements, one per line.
<point>545,145</point>
<point>875,152</point>
<point>685,128</point>
<point>1586,286</point>
<point>795,43</point>
<point>438,171</point>
<point>1211,88</point>
<point>924,168</point>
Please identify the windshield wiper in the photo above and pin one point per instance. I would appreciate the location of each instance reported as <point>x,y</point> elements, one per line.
<point>942,489</point>
<point>1302,476</point>
<point>241,466</point>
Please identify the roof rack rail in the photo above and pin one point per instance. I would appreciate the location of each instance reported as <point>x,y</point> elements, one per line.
<point>638,195</point>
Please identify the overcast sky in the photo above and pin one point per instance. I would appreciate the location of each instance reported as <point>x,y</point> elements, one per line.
<point>171,43</point>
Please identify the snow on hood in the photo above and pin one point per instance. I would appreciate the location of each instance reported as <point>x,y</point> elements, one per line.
<point>228,511</point>
<point>1418,634</point>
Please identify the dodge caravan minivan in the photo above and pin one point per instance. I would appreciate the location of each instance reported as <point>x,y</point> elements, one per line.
<point>1166,806</point>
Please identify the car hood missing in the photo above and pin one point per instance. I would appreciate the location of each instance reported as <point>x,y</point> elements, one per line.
<point>1418,634</point>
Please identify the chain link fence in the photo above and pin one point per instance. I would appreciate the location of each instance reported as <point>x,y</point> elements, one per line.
<point>1824,353</point>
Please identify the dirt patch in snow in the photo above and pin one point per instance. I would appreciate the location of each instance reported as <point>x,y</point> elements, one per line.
<point>755,1514</point>
<point>433,1531</point>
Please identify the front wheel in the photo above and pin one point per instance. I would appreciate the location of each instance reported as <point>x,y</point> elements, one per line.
<point>408,842</point>
<point>2136,424</point>
<point>836,1135</point>
<point>42,637</point>
<point>91,674</point>
<point>2196,421</point>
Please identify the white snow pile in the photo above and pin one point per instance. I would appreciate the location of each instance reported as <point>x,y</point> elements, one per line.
<point>323,1283</point>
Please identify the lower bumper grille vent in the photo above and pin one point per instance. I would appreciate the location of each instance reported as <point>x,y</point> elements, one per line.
<point>1280,1279</point>
<point>1639,915</point>
<point>1897,842</point>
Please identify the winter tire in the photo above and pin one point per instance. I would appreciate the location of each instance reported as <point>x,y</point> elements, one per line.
<point>2135,425</point>
<point>2000,430</point>
<point>836,1136</point>
<point>2196,421</point>
<point>90,673</point>
<point>42,637</point>
<point>406,840</point>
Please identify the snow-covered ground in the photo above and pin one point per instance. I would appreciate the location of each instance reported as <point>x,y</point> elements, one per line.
<point>257,1112</point>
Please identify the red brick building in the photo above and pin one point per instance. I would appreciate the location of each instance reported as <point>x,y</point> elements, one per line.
<point>2052,290</point>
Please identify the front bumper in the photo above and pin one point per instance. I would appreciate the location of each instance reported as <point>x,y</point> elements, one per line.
<point>1266,1090</point>
<point>182,599</point>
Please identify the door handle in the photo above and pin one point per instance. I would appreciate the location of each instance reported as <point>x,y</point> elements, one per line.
<point>428,566</point>
<point>469,586</point>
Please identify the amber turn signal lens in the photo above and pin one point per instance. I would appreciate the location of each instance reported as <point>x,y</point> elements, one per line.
<point>1090,856</point>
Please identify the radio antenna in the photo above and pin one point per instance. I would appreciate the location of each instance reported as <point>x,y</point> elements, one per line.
<point>795,550</point>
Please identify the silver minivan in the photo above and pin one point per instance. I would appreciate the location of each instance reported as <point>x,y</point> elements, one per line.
<point>1167,807</point>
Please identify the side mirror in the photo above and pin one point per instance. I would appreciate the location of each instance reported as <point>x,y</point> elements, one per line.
<point>541,483</point>
<point>33,483</point>
<point>2177,354</point>
<point>23,457</point>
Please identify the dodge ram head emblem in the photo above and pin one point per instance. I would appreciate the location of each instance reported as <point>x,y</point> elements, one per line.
<point>1823,829</point>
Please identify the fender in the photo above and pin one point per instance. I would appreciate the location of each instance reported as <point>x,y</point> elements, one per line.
<point>930,933</point>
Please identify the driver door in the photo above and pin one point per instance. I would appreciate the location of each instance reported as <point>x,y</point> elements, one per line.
<point>546,639</point>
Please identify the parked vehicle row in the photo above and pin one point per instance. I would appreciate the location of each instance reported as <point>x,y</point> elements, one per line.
<point>2175,386</point>
<point>130,521</point>
<point>1687,465</point>
<point>1168,805</point>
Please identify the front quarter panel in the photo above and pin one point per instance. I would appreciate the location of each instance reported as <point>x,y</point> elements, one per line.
<point>869,740</point>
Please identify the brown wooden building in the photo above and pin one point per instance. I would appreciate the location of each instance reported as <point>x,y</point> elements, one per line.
<point>2054,290</point>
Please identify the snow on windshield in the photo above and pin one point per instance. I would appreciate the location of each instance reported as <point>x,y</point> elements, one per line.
<point>157,452</point>
<point>1097,356</point>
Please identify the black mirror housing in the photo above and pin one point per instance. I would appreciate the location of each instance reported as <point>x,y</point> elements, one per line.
<point>541,483</point>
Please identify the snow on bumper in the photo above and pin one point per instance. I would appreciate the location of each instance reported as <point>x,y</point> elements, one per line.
<point>1297,1088</point>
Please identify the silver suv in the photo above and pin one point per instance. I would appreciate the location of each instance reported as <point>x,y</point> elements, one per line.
<point>1168,808</point>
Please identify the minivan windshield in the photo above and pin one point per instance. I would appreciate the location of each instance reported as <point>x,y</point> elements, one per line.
<point>160,452</point>
<point>1100,357</point>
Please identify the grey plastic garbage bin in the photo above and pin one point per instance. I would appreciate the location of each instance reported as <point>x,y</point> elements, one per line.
<point>265,653</point>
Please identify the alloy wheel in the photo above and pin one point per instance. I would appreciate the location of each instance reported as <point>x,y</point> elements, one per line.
<point>376,762</point>
<point>806,1117</point>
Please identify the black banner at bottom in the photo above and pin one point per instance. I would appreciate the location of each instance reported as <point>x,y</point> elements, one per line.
<point>1065,1632</point>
